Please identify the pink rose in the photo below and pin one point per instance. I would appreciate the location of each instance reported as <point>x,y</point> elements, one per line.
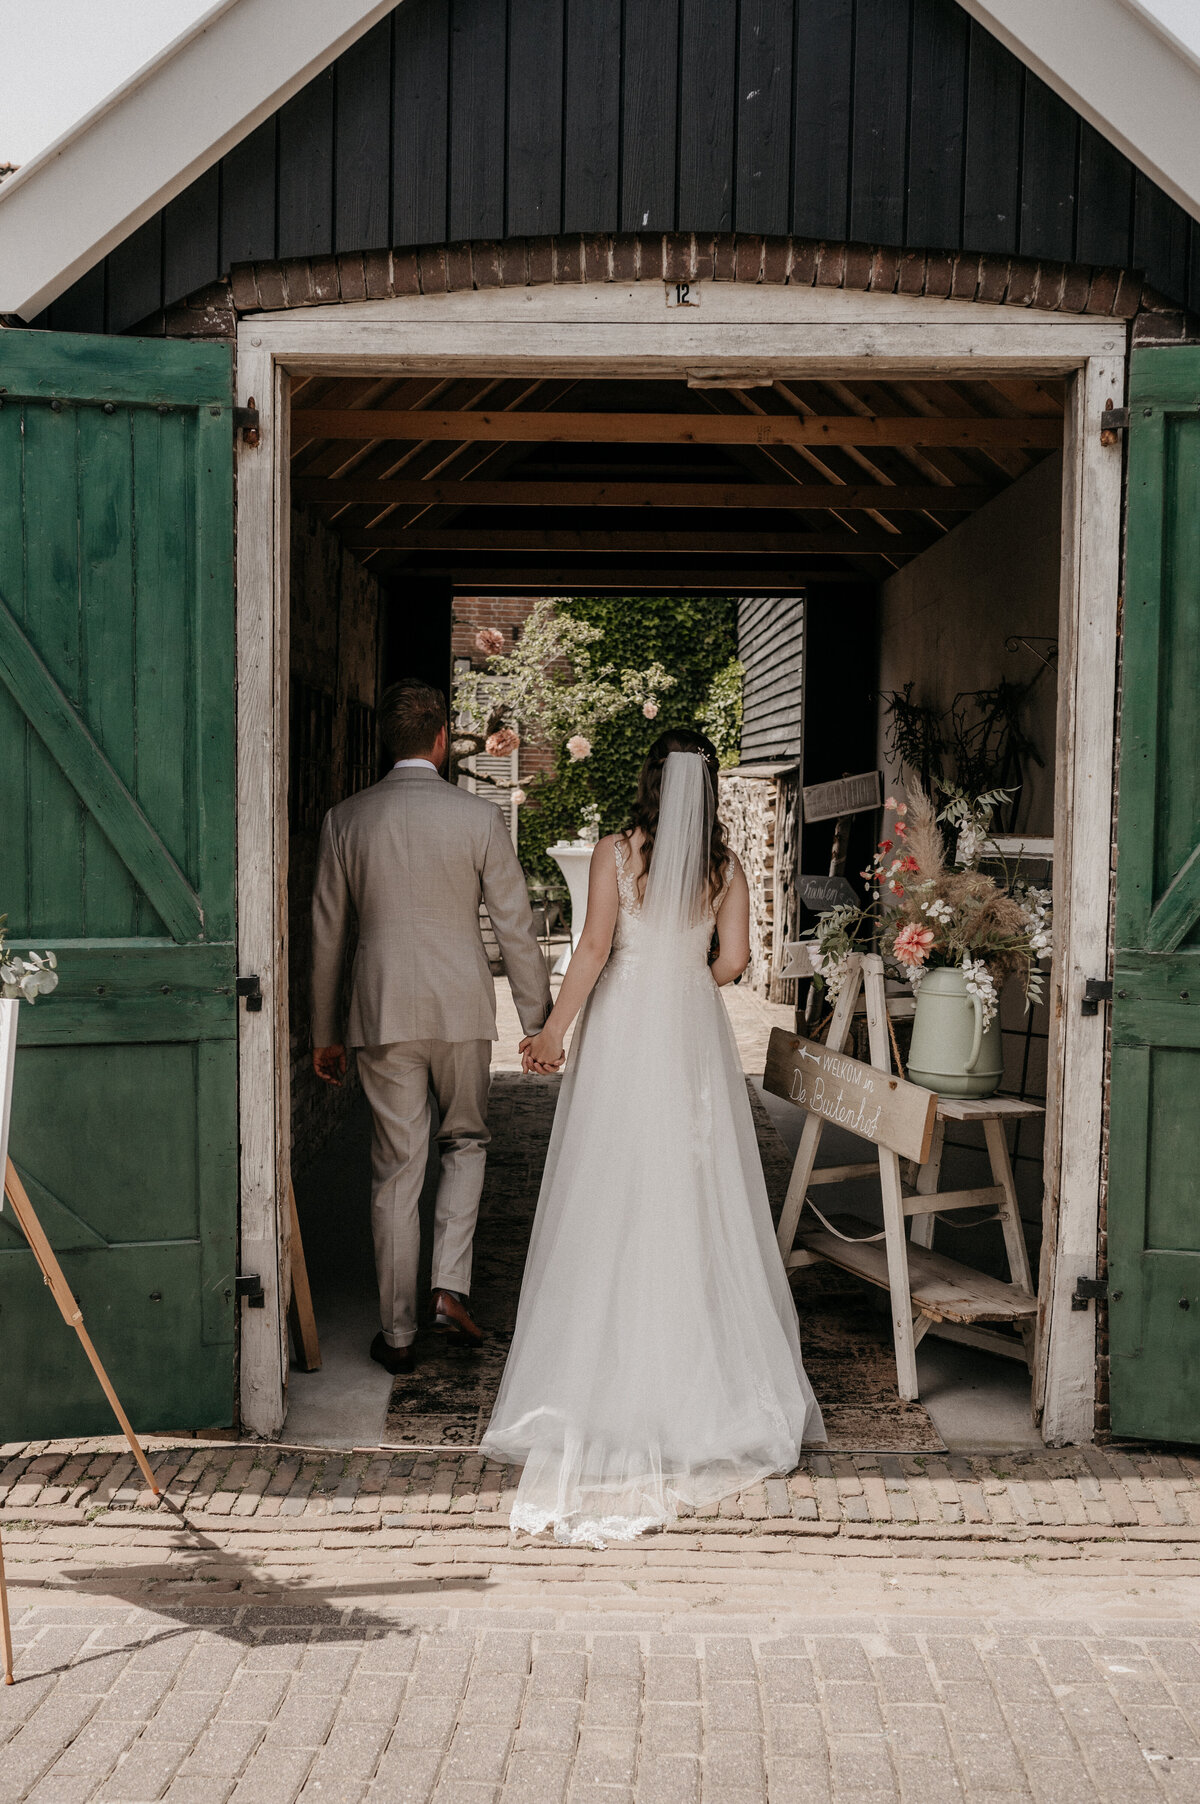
<point>650,709</point>
<point>503,743</point>
<point>490,641</point>
<point>579,747</point>
<point>912,944</point>
<point>519,796</point>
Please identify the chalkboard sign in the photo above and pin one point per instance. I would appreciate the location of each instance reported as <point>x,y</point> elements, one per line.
<point>820,893</point>
<point>848,795</point>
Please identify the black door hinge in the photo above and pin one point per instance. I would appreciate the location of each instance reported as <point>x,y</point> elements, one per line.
<point>1095,991</point>
<point>1088,1290</point>
<point>250,989</point>
<point>245,421</point>
<point>250,1286</point>
<point>1112,421</point>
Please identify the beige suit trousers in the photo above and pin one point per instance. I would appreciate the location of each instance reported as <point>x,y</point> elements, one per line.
<point>397,1080</point>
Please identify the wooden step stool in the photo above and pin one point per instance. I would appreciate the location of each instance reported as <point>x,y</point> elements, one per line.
<point>928,1290</point>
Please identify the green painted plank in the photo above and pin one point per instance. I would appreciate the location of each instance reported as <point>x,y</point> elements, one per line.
<point>1177,909</point>
<point>1166,376</point>
<point>79,366</point>
<point>64,734</point>
<point>14,733</point>
<point>129,1021</point>
<point>213,660</point>
<point>51,603</point>
<point>142,1307</point>
<point>124,968</point>
<point>164,516</point>
<point>108,681</point>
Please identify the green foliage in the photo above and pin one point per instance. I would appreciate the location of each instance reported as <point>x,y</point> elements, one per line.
<point>721,714</point>
<point>695,638</point>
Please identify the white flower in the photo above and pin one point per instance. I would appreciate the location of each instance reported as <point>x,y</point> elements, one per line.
<point>579,747</point>
<point>650,709</point>
<point>519,796</point>
<point>980,983</point>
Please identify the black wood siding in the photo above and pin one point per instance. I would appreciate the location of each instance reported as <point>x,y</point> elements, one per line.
<point>771,648</point>
<point>897,122</point>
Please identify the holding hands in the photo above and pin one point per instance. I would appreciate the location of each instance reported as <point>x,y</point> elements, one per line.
<point>542,1052</point>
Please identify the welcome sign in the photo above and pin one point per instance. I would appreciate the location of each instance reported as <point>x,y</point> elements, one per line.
<point>873,1104</point>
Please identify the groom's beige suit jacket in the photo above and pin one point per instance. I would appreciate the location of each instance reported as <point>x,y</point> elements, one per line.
<point>412,858</point>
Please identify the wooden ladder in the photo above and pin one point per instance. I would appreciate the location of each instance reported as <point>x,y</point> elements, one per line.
<point>929,1292</point>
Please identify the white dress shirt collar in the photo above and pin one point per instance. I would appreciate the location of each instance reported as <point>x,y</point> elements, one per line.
<point>409,763</point>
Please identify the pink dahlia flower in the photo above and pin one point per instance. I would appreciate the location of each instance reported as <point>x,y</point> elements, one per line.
<point>912,944</point>
<point>579,747</point>
<point>489,640</point>
<point>503,743</point>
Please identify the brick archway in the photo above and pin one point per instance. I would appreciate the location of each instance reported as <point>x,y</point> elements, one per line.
<point>677,257</point>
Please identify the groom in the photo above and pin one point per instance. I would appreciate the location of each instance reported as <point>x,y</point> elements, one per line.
<point>411,859</point>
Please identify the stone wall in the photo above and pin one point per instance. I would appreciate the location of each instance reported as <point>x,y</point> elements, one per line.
<point>758,808</point>
<point>335,648</point>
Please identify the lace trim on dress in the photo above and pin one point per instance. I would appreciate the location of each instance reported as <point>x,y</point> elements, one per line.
<point>627,890</point>
<point>627,893</point>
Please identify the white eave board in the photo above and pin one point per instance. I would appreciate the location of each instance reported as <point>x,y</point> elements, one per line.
<point>1122,69</point>
<point>70,205</point>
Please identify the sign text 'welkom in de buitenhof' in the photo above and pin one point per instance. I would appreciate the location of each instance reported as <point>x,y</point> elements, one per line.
<point>878,1107</point>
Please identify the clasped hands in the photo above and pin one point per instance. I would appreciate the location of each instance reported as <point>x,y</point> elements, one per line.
<point>542,1052</point>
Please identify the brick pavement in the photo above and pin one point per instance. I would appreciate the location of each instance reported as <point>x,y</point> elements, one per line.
<point>257,1706</point>
<point>1074,1494</point>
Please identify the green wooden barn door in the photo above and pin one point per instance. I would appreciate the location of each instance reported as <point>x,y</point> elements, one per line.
<point>117,849</point>
<point>1154,1167</point>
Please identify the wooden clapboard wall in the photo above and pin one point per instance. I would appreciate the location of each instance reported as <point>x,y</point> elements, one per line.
<point>771,648</point>
<point>894,122</point>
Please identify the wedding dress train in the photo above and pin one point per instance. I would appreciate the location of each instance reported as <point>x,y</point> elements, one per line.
<point>656,1357</point>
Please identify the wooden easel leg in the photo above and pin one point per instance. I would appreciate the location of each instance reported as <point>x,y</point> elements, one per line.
<point>5,1624</point>
<point>892,1194</point>
<point>68,1308</point>
<point>300,1311</point>
<point>1010,1221</point>
<point>928,1179</point>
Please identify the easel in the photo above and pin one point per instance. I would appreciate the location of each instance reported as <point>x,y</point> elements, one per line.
<point>928,1291</point>
<point>72,1315</point>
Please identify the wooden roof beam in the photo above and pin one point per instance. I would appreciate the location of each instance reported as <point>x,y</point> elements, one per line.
<point>423,426</point>
<point>716,544</point>
<point>348,492</point>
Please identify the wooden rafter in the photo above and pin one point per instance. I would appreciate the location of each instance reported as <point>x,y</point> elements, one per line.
<point>876,497</point>
<point>718,544</point>
<point>672,428</point>
<point>631,579</point>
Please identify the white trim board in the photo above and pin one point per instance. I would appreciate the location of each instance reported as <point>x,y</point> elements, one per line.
<point>544,331</point>
<point>83,195</point>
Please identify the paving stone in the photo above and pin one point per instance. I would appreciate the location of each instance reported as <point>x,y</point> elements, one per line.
<point>142,1774</point>
<point>672,1728</point>
<point>536,1776</point>
<point>604,1757</point>
<point>479,1751</point>
<point>667,1779</point>
<point>493,1697</point>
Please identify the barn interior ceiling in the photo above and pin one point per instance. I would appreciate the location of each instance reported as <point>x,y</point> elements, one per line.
<point>558,485</point>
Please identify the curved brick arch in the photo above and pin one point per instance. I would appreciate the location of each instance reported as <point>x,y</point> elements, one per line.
<point>675,257</point>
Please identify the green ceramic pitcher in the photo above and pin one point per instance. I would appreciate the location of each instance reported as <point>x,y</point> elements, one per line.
<point>952,1052</point>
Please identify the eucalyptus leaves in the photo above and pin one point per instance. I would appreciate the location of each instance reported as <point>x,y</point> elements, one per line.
<point>25,977</point>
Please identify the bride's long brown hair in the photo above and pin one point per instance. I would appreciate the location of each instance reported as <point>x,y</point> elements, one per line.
<point>649,797</point>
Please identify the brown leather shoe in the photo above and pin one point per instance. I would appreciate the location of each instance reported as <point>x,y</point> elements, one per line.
<point>452,1318</point>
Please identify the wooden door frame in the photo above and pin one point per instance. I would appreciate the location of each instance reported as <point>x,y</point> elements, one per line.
<point>608,329</point>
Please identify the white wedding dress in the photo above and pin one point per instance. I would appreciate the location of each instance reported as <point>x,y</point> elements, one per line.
<point>656,1357</point>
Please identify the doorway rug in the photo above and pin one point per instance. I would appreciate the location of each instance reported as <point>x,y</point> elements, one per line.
<point>447,1401</point>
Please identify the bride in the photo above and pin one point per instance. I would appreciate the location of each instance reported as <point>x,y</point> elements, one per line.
<point>656,1357</point>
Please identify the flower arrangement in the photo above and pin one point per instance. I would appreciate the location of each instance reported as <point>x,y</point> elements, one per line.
<point>547,682</point>
<point>926,911</point>
<point>24,979</point>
